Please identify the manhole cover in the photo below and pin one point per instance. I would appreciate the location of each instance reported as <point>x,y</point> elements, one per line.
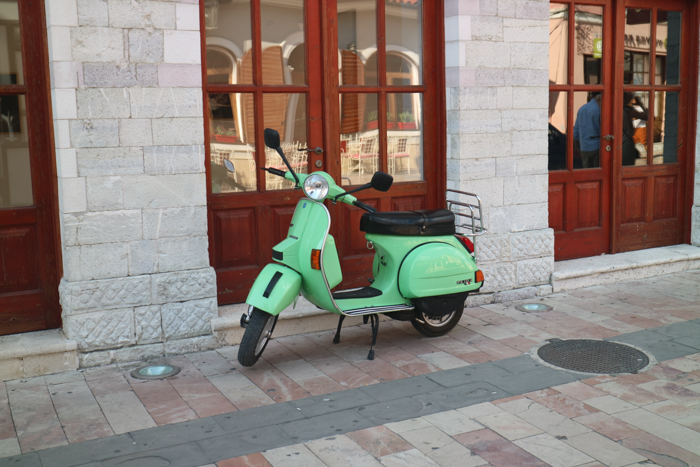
<point>591,356</point>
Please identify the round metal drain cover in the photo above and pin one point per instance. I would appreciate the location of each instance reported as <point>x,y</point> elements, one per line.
<point>591,356</point>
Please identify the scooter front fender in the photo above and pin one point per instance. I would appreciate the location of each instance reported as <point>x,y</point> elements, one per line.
<point>274,289</point>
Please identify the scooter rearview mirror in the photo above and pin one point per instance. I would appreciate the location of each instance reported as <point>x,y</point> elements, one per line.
<point>381,181</point>
<point>229,166</point>
<point>272,138</point>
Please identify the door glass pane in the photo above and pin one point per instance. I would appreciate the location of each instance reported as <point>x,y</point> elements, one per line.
<point>10,45</point>
<point>15,169</point>
<point>668,47</point>
<point>558,43</point>
<point>637,45</point>
<point>588,44</point>
<point>665,127</point>
<point>357,41</point>
<point>587,130</point>
<point>286,113</point>
<point>282,32</point>
<point>404,42</point>
<point>229,42</point>
<point>557,130</point>
<point>405,136</point>
<point>359,138</point>
<point>634,128</point>
<point>232,138</point>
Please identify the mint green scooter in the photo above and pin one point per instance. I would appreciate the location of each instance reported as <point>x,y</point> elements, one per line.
<point>423,271</point>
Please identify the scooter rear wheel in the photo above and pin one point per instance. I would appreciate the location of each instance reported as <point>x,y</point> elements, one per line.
<point>435,326</point>
<point>257,334</point>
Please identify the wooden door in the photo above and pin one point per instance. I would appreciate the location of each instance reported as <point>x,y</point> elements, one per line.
<point>29,268</point>
<point>634,195</point>
<point>653,99</point>
<point>336,75</point>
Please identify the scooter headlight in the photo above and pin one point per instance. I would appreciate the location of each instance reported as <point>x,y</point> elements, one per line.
<point>316,187</point>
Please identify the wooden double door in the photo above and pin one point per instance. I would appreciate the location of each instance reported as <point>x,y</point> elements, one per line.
<point>623,80</point>
<point>352,87</point>
<point>29,268</point>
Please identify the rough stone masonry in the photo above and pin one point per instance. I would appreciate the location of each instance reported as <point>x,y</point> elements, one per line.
<point>129,133</point>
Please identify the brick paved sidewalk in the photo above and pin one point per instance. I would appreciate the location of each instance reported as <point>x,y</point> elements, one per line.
<point>51,411</point>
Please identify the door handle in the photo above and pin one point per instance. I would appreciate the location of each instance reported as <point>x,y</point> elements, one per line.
<point>609,137</point>
<point>318,151</point>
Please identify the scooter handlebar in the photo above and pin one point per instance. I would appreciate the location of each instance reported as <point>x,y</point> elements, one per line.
<point>364,206</point>
<point>274,171</point>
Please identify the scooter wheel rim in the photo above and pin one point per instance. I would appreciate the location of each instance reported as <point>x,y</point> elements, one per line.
<point>265,335</point>
<point>437,321</point>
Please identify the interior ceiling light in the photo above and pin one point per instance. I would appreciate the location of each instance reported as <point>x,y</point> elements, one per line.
<point>155,372</point>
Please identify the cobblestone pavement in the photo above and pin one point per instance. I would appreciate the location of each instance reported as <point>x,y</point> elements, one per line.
<point>471,397</point>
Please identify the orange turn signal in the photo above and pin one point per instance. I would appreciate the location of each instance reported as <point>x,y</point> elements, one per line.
<point>479,276</point>
<point>316,259</point>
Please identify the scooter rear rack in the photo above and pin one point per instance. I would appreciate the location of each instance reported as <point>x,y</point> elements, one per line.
<point>469,218</point>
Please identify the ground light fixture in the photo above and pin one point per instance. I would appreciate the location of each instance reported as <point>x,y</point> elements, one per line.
<point>155,371</point>
<point>533,307</point>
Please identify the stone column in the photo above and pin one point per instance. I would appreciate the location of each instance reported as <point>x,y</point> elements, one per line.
<point>129,133</point>
<point>497,57</point>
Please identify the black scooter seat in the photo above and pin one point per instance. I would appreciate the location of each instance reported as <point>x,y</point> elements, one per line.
<point>409,223</point>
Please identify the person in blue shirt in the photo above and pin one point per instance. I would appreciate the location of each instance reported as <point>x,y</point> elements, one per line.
<point>587,132</point>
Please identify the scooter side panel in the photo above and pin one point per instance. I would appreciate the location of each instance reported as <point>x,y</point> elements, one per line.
<point>331,263</point>
<point>437,269</point>
<point>274,289</point>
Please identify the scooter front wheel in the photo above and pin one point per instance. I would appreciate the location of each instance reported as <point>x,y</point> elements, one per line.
<point>435,326</point>
<point>257,334</point>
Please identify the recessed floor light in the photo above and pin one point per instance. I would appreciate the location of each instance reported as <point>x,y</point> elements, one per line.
<point>533,307</point>
<point>155,372</point>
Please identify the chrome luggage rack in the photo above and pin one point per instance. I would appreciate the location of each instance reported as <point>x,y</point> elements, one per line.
<point>469,216</point>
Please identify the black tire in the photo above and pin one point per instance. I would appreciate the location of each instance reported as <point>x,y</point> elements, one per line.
<point>257,334</point>
<point>436,326</point>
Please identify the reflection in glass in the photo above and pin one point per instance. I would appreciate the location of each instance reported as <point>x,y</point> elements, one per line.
<point>634,128</point>
<point>282,30</point>
<point>637,45</point>
<point>286,113</point>
<point>232,137</point>
<point>405,139</point>
<point>359,138</point>
<point>229,42</point>
<point>357,40</point>
<point>588,44</point>
<point>665,127</point>
<point>558,43</point>
<point>15,168</point>
<point>557,131</point>
<point>668,47</point>
<point>10,45</point>
<point>404,40</point>
<point>587,130</point>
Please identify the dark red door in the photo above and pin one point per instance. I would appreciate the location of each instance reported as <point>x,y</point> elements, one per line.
<point>28,237</point>
<point>361,81</point>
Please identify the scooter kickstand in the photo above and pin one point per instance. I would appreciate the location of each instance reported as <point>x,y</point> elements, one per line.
<point>374,319</point>
<point>336,339</point>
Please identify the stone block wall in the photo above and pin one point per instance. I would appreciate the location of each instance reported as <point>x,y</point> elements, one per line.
<point>497,58</point>
<point>129,134</point>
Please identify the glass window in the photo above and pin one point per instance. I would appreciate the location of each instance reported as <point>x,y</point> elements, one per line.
<point>587,130</point>
<point>286,113</point>
<point>637,45</point>
<point>357,40</point>
<point>15,168</point>
<point>668,47</point>
<point>635,115</point>
<point>405,136</point>
<point>232,138</point>
<point>588,44</point>
<point>229,42</point>
<point>404,26</point>
<point>359,138</point>
<point>557,130</point>
<point>558,43</point>
<point>665,142</point>
<point>282,30</point>
<point>10,44</point>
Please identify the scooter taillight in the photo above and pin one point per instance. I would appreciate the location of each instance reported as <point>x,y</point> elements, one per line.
<point>466,242</point>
